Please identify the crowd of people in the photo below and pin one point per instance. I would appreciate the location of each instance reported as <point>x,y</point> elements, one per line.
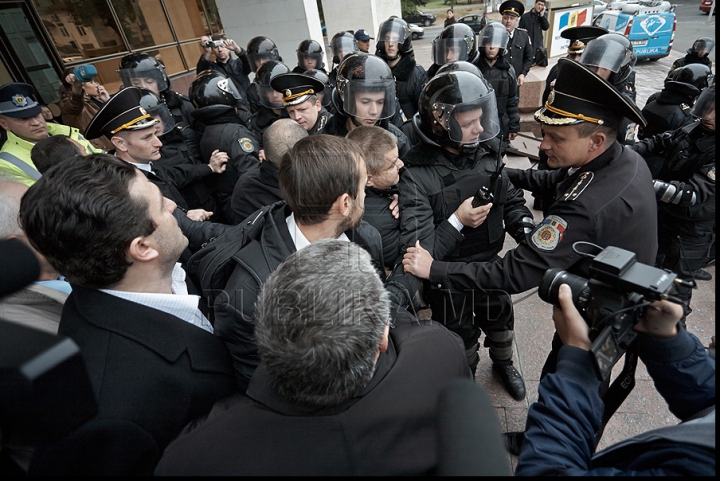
<point>243,268</point>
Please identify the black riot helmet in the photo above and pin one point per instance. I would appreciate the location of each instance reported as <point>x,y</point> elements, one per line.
<point>140,66</point>
<point>704,107</point>
<point>156,107</point>
<point>260,50</point>
<point>325,96</point>
<point>453,102</point>
<point>702,47</point>
<point>211,88</point>
<point>455,42</point>
<point>394,30</point>
<point>269,97</point>
<point>362,73</point>
<point>494,35</point>
<point>613,52</point>
<point>310,50</point>
<point>690,79</point>
<point>460,65</point>
<point>343,44</point>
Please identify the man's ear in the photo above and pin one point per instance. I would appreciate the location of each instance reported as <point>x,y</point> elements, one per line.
<point>119,143</point>
<point>384,339</point>
<point>370,182</point>
<point>342,205</point>
<point>142,249</point>
<point>597,140</point>
<point>318,105</point>
<point>4,124</point>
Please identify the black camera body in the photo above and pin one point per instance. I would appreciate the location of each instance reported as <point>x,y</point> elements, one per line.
<point>611,301</point>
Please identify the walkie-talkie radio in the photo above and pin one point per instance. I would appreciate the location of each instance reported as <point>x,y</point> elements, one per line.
<point>484,194</point>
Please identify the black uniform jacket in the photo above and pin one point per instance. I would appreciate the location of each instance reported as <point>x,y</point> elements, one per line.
<point>152,373</point>
<point>608,202</point>
<point>255,189</point>
<point>520,51</point>
<point>410,78</point>
<point>503,79</point>
<point>389,428</point>
<point>234,311</point>
<point>378,215</point>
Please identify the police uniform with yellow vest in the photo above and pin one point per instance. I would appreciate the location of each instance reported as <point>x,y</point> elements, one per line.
<point>124,113</point>
<point>609,201</point>
<point>16,101</point>
<point>520,50</point>
<point>298,88</point>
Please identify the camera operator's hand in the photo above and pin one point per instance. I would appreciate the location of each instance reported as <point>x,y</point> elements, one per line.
<point>569,324</point>
<point>660,319</point>
<point>204,41</point>
<point>417,261</point>
<point>231,45</point>
<point>470,216</point>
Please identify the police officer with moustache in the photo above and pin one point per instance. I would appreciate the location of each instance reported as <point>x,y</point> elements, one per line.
<point>458,156</point>
<point>604,195</point>
<point>521,52</point>
<point>216,100</point>
<point>300,94</point>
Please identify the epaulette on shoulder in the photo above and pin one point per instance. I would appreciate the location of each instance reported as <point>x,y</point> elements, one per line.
<point>520,28</point>
<point>577,189</point>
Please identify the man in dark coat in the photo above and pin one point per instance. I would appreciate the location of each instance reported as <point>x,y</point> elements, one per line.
<point>347,385</point>
<point>322,180</point>
<point>698,53</point>
<point>261,186</point>
<point>535,22</point>
<point>150,353</point>
<point>521,51</point>
<point>604,194</point>
<point>458,157</point>
<point>236,69</point>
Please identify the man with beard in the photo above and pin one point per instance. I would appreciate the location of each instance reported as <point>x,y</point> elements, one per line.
<point>394,45</point>
<point>149,351</point>
<point>322,180</point>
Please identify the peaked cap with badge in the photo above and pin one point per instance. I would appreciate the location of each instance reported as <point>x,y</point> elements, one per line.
<point>296,88</point>
<point>581,95</point>
<point>17,101</point>
<point>580,36</point>
<point>512,7</point>
<point>121,112</point>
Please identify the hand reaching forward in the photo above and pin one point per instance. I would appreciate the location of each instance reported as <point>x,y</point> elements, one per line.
<point>417,261</point>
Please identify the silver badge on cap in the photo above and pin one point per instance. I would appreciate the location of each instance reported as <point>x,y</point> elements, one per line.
<point>19,100</point>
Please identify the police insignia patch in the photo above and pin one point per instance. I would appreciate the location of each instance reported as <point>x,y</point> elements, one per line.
<point>246,144</point>
<point>711,174</point>
<point>19,100</point>
<point>549,233</point>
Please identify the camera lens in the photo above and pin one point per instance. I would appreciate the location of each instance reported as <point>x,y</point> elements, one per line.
<point>554,278</point>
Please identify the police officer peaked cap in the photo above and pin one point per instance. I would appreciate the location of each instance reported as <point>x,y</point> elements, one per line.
<point>296,88</point>
<point>581,95</point>
<point>121,112</point>
<point>580,36</point>
<point>17,101</point>
<point>512,7</point>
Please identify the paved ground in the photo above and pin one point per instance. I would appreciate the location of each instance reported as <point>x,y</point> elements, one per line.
<point>644,409</point>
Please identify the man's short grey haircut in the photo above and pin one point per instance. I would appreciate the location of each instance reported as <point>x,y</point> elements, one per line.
<point>9,210</point>
<point>280,137</point>
<point>320,318</point>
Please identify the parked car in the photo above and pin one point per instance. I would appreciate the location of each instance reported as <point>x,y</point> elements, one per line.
<point>651,34</point>
<point>420,18</point>
<point>705,6</point>
<point>598,7</point>
<point>476,22</point>
<point>416,31</point>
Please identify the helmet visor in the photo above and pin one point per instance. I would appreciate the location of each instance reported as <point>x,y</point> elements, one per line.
<point>703,46</point>
<point>704,107</point>
<point>607,55</point>
<point>257,59</point>
<point>342,46</point>
<point>310,60</point>
<point>152,79</point>
<point>494,37</point>
<point>394,32</point>
<point>165,119</point>
<point>449,50</point>
<point>468,123</point>
<point>269,97</point>
<point>369,99</point>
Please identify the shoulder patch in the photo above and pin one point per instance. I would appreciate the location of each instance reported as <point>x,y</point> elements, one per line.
<point>549,233</point>
<point>246,144</point>
<point>711,173</point>
<point>578,188</point>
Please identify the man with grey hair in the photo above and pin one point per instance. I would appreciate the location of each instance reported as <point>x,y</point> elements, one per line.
<point>39,304</point>
<point>348,383</point>
<point>260,187</point>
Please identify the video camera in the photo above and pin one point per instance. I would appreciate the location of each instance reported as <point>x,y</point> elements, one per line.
<point>611,301</point>
<point>214,43</point>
